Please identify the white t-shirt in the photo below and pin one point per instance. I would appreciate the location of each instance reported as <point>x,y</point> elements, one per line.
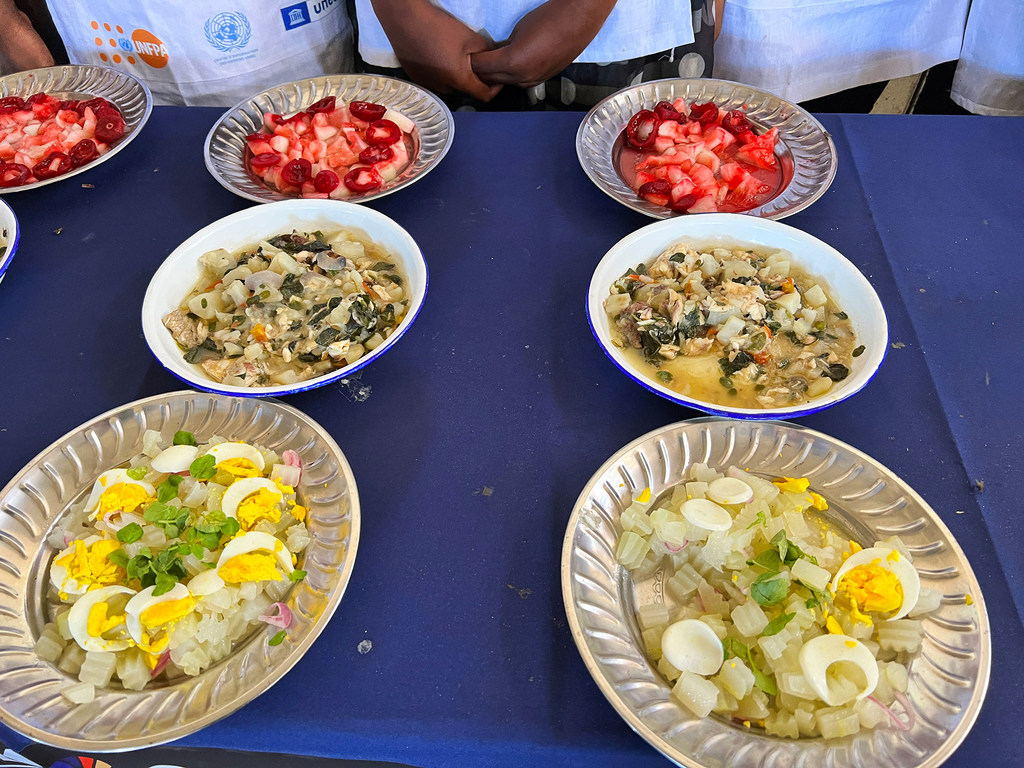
<point>634,28</point>
<point>201,53</point>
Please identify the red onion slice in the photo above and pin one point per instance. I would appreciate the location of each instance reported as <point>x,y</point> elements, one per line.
<point>266,278</point>
<point>892,715</point>
<point>165,658</point>
<point>282,619</point>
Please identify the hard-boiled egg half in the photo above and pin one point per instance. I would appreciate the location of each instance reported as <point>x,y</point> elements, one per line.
<point>691,645</point>
<point>150,617</point>
<point>820,654</point>
<point>205,583</point>
<point>252,499</point>
<point>880,580</point>
<point>239,459</point>
<point>84,565</point>
<point>97,619</point>
<point>254,556</point>
<point>177,458</point>
<point>116,491</point>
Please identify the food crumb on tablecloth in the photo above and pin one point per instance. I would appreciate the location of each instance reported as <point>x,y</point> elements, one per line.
<point>364,647</point>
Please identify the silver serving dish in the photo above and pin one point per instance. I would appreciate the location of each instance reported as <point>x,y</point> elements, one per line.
<point>226,149</point>
<point>805,149</point>
<point>948,678</point>
<point>33,502</point>
<point>84,81</point>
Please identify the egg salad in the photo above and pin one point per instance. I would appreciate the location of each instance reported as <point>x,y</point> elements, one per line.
<point>770,617</point>
<point>172,560</point>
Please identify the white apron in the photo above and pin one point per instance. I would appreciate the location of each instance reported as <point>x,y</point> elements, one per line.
<point>634,28</point>
<point>208,53</point>
<point>803,49</point>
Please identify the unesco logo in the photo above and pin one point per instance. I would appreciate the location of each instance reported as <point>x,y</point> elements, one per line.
<point>228,30</point>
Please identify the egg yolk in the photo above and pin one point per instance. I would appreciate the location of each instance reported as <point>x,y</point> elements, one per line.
<point>122,497</point>
<point>250,566</point>
<point>792,484</point>
<point>167,612</point>
<point>239,468</point>
<point>261,505</point>
<point>298,512</point>
<point>89,565</point>
<point>873,588</point>
<point>97,623</point>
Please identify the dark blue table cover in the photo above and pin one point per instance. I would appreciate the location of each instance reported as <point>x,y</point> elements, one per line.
<point>484,423</point>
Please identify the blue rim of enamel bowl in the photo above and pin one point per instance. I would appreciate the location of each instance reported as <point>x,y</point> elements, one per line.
<point>12,245</point>
<point>320,381</point>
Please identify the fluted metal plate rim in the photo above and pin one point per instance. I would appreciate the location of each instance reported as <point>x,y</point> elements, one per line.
<point>33,502</point>
<point>127,93</point>
<point>803,141</point>
<point>224,152</point>
<point>948,678</point>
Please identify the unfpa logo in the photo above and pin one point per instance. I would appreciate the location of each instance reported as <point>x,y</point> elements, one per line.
<point>228,30</point>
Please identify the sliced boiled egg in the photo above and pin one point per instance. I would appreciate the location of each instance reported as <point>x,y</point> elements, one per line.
<point>84,565</point>
<point>205,583</point>
<point>97,619</point>
<point>730,490</point>
<point>254,556</point>
<point>819,654</point>
<point>115,491</point>
<point>252,499</point>
<point>880,580</point>
<point>691,645</point>
<point>177,458</point>
<point>150,617</point>
<point>239,459</point>
<point>704,513</point>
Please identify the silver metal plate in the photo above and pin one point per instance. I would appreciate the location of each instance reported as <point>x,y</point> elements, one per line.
<point>225,144</point>
<point>83,81</point>
<point>40,495</point>
<point>805,148</point>
<point>948,678</point>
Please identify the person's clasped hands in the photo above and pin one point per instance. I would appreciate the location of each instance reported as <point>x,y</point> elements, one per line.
<point>442,53</point>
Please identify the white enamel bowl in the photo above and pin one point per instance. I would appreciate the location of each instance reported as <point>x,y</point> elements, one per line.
<point>849,288</point>
<point>180,271</point>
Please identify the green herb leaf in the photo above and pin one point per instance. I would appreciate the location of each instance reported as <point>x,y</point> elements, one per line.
<point>858,351</point>
<point>781,543</point>
<point>181,437</point>
<point>168,489</point>
<point>164,584</point>
<point>763,682</point>
<point>297,575</point>
<point>769,560</point>
<point>775,625</point>
<point>230,527</point>
<point>761,520</point>
<point>769,589</point>
<point>734,647</point>
<point>128,534</point>
<point>137,473</point>
<point>665,377</point>
<point>118,558</point>
<point>203,468</point>
<point>278,638</point>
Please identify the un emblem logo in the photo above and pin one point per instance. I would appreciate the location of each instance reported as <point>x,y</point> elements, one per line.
<point>228,30</point>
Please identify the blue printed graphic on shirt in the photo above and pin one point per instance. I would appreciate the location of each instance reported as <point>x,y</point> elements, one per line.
<point>228,30</point>
<point>295,15</point>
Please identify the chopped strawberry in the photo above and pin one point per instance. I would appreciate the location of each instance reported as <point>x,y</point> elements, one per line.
<point>710,159</point>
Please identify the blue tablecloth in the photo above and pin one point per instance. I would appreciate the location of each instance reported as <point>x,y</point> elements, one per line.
<point>483,424</point>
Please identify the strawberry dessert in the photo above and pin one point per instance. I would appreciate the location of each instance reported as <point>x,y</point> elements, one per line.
<point>44,136</point>
<point>698,159</point>
<point>331,150</point>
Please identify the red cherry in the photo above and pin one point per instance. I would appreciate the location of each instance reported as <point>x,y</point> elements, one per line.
<point>326,181</point>
<point>297,171</point>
